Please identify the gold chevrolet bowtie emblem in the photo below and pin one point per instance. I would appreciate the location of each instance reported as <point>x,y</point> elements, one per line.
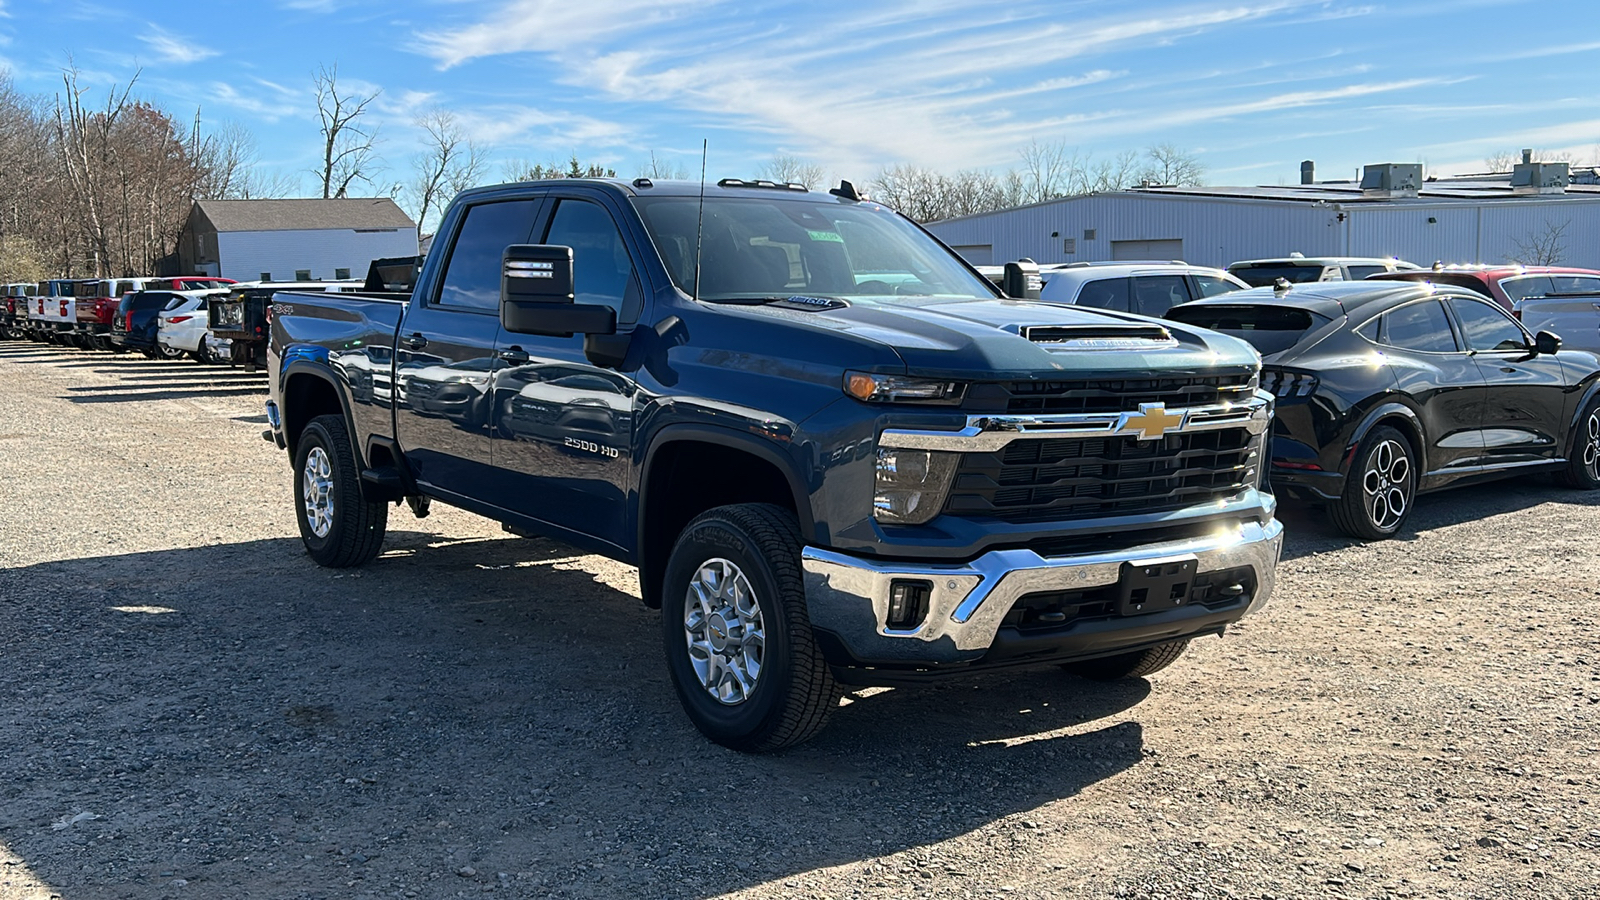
<point>1150,422</point>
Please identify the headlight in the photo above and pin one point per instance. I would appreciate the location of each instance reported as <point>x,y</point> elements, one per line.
<point>873,388</point>
<point>911,484</point>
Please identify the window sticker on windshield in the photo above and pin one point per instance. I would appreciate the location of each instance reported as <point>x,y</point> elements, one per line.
<point>826,236</point>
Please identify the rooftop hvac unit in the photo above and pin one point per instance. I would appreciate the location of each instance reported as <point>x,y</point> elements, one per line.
<point>1540,178</point>
<point>1391,179</point>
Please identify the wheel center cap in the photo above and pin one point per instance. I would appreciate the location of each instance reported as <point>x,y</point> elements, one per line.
<point>717,630</point>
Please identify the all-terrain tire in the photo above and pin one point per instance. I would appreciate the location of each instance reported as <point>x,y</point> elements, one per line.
<point>1129,665</point>
<point>1366,509</point>
<point>794,693</point>
<point>354,532</point>
<point>1582,470</point>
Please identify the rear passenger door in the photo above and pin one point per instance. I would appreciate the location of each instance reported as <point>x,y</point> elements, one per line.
<point>563,427</point>
<point>445,353</point>
<point>1439,375</point>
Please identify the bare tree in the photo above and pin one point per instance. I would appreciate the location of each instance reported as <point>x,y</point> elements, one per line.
<point>450,164</point>
<point>1118,173</point>
<point>790,169</point>
<point>524,170</point>
<point>84,139</point>
<point>1169,165</point>
<point>1506,160</point>
<point>1543,247</point>
<point>1048,171</point>
<point>349,148</point>
<point>663,169</point>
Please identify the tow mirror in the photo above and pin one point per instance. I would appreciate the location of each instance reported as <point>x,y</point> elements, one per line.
<point>536,295</point>
<point>1545,342</point>
<point>1021,280</point>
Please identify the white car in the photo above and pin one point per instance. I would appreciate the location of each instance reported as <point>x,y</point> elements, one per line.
<point>1146,288</point>
<point>183,329</point>
<point>1299,268</point>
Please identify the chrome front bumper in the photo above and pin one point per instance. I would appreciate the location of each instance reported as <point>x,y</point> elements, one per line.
<point>848,596</point>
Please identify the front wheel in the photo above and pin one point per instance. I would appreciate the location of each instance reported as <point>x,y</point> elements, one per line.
<point>1137,664</point>
<point>1379,489</point>
<point>339,527</point>
<point>1582,470</point>
<point>738,638</point>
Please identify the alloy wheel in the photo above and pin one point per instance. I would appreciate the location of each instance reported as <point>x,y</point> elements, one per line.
<point>317,490</point>
<point>1591,446</point>
<point>726,635</point>
<point>1386,484</point>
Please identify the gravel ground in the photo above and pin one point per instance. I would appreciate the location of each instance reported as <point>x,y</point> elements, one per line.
<point>192,708</point>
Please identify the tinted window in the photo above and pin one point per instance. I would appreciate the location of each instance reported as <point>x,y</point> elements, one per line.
<point>1265,275</point>
<point>1418,326</point>
<point>1486,327</point>
<point>1525,286</point>
<point>601,269</point>
<point>1107,293</point>
<point>1269,329</point>
<point>1359,272</point>
<point>150,301</point>
<point>472,277</point>
<point>1211,285</point>
<point>1153,295</point>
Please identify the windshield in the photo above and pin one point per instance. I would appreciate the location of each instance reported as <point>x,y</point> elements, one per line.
<point>755,249</point>
<point>1265,275</point>
<point>1269,329</point>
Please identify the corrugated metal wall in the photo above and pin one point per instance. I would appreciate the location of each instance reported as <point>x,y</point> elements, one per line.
<point>1216,231</point>
<point>246,254</point>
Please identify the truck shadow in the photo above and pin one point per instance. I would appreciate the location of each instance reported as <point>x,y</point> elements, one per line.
<point>484,706</point>
<point>1307,530</point>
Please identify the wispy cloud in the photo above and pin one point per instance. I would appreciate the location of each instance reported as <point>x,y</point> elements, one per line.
<point>171,48</point>
<point>547,26</point>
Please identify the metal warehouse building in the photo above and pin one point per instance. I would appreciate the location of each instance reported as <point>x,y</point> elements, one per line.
<point>1391,212</point>
<point>293,239</point>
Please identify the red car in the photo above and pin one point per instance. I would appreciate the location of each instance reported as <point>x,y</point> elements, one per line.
<point>1506,285</point>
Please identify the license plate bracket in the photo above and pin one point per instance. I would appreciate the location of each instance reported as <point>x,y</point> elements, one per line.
<point>1151,586</point>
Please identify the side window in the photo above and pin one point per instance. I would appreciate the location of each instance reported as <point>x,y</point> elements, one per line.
<point>1526,286</point>
<point>1486,327</point>
<point>1418,326</point>
<point>1153,295</point>
<point>1331,273</point>
<point>1211,285</point>
<point>1574,284</point>
<point>1359,272</point>
<point>1107,293</point>
<point>472,277</point>
<point>602,271</point>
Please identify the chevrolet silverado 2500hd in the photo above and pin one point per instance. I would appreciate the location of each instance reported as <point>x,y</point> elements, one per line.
<point>837,454</point>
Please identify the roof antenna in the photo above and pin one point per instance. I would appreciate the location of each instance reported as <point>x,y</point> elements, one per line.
<point>699,224</point>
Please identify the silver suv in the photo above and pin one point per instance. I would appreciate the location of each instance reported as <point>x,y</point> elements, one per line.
<point>1299,269</point>
<point>1146,288</point>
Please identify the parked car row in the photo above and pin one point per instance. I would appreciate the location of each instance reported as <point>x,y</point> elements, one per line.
<point>163,318</point>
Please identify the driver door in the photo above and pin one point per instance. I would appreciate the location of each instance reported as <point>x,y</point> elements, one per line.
<point>1522,417</point>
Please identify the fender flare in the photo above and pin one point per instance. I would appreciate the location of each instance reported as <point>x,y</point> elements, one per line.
<point>1589,395</point>
<point>320,371</point>
<point>1389,409</point>
<point>749,443</point>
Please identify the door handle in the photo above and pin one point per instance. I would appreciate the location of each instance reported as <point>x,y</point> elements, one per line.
<point>514,355</point>
<point>415,341</point>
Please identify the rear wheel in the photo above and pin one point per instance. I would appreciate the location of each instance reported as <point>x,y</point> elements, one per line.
<point>1129,665</point>
<point>737,634</point>
<point>1379,489</point>
<point>339,527</point>
<point>1582,470</point>
<point>165,352</point>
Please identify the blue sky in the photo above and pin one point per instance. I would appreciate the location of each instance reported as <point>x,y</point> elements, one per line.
<point>1251,88</point>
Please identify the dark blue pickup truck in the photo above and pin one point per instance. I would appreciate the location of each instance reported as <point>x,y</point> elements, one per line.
<point>836,453</point>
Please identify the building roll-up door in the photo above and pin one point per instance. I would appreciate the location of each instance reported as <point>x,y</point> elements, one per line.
<point>976,254</point>
<point>1147,250</point>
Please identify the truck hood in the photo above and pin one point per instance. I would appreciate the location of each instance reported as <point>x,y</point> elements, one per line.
<point>1008,339</point>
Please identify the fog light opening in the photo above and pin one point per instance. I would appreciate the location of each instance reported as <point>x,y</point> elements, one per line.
<point>908,604</point>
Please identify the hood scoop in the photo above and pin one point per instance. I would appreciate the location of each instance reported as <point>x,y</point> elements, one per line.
<point>809,304</point>
<point>1100,337</point>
